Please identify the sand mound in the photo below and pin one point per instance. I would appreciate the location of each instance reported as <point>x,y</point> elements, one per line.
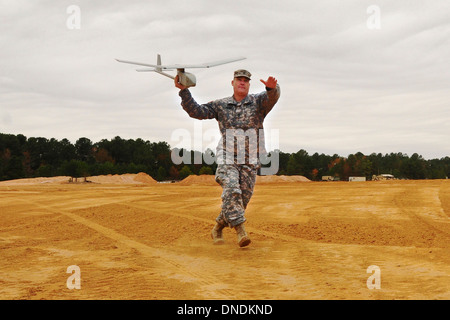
<point>209,180</point>
<point>144,178</point>
<point>31,181</point>
<point>280,179</point>
<point>129,178</point>
<point>203,180</point>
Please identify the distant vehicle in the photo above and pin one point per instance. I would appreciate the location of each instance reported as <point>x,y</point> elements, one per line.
<point>357,179</point>
<point>383,177</point>
<point>184,78</point>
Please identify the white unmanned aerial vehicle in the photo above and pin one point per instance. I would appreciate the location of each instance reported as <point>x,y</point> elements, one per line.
<point>184,78</point>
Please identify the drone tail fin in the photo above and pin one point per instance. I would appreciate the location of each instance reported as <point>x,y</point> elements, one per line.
<point>159,69</point>
<point>158,63</point>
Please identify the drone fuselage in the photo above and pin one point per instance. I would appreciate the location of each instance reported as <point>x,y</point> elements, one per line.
<point>185,78</point>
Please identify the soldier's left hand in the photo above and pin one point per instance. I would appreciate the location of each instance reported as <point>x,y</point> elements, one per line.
<point>270,83</point>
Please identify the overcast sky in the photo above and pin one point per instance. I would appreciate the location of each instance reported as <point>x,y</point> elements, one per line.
<point>355,75</point>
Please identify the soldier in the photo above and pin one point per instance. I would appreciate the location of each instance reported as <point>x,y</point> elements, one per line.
<point>240,119</point>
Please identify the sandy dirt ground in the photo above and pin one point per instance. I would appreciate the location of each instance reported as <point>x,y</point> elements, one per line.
<point>133,238</point>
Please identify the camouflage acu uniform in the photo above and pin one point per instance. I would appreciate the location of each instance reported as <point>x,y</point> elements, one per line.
<point>241,145</point>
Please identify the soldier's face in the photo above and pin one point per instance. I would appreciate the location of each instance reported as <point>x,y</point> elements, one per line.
<point>241,85</point>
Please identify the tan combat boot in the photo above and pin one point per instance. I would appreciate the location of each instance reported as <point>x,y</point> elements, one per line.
<point>216,233</point>
<point>243,238</point>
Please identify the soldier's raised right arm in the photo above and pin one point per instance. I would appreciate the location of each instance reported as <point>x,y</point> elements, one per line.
<point>195,110</point>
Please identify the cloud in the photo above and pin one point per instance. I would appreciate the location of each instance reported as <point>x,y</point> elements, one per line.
<point>345,88</point>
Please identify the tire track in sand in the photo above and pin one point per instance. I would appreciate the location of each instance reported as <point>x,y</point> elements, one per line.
<point>426,208</point>
<point>265,233</point>
<point>171,264</point>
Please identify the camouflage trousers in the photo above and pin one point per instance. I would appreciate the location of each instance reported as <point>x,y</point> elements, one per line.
<point>237,183</point>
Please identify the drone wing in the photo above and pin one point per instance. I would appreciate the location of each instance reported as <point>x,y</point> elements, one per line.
<point>201,65</point>
<point>159,67</point>
<point>139,63</point>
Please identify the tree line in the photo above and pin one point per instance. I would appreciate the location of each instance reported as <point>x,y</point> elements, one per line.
<point>22,157</point>
<point>400,165</point>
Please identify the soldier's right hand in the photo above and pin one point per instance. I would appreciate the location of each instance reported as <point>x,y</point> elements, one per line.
<point>179,85</point>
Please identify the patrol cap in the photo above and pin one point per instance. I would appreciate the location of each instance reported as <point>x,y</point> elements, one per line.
<point>242,73</point>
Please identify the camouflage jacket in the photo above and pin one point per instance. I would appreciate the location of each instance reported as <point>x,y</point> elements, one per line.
<point>240,123</point>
